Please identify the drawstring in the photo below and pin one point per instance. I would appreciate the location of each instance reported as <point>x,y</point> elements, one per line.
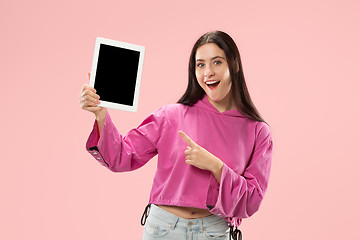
<point>145,215</point>
<point>236,235</point>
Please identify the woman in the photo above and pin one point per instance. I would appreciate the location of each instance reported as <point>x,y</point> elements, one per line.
<point>214,150</point>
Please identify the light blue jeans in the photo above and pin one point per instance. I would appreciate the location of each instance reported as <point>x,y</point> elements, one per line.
<point>161,224</point>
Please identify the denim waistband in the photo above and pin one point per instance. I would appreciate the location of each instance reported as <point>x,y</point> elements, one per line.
<point>174,220</point>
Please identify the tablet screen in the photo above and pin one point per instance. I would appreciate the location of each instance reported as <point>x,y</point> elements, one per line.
<point>116,74</point>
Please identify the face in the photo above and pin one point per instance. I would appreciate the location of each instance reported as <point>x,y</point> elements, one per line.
<point>212,74</point>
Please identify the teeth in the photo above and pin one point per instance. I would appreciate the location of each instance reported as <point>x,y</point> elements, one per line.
<point>211,82</point>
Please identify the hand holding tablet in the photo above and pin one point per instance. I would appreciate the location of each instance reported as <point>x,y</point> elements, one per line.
<point>89,101</point>
<point>116,73</point>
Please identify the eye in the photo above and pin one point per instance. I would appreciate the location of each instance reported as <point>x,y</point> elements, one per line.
<point>200,65</point>
<point>217,62</point>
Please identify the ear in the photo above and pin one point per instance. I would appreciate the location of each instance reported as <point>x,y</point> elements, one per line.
<point>237,67</point>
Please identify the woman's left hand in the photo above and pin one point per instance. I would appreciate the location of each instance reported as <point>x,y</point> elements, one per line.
<point>200,157</point>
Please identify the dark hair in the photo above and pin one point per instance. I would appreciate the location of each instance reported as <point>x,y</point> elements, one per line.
<point>239,90</point>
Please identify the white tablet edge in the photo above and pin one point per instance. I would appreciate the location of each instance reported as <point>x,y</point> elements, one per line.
<point>125,45</point>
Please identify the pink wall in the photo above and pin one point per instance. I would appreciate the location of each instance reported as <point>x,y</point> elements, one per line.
<point>301,62</point>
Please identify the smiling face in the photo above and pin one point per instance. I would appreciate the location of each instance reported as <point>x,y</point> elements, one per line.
<point>212,74</point>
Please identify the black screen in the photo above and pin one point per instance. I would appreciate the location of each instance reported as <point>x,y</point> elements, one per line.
<point>116,74</point>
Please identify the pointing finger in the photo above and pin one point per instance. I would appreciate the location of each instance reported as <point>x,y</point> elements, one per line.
<point>188,140</point>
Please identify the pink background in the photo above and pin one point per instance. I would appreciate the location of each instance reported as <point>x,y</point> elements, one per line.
<point>301,63</point>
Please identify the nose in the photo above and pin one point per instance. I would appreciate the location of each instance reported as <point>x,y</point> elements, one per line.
<point>208,72</point>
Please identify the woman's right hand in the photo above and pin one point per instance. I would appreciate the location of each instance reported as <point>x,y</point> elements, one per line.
<point>89,101</point>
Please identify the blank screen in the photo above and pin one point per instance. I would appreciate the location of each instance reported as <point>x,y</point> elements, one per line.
<point>116,74</point>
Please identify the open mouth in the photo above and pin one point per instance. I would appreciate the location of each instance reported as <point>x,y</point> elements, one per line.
<point>212,84</point>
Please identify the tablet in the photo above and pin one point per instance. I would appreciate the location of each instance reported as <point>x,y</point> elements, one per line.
<point>116,73</point>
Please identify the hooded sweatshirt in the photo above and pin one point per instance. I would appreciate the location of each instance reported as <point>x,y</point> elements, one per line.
<point>242,144</point>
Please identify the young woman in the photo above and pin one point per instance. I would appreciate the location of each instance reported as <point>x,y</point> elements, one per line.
<point>214,149</point>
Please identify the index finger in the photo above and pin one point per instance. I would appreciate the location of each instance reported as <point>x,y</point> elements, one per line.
<point>87,86</point>
<point>188,140</point>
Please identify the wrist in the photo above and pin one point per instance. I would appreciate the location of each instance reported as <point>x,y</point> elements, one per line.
<point>217,170</point>
<point>217,167</point>
<point>100,117</point>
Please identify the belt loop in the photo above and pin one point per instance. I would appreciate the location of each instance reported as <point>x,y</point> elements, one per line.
<point>173,224</point>
<point>201,224</point>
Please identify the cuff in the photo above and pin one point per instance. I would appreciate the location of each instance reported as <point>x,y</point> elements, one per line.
<point>216,202</point>
<point>213,198</point>
<point>93,143</point>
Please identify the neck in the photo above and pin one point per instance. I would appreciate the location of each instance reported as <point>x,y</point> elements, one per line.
<point>223,105</point>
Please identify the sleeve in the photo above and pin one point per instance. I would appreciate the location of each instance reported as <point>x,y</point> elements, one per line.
<point>135,149</point>
<point>239,196</point>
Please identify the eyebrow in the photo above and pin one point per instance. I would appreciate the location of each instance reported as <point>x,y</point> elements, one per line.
<point>210,59</point>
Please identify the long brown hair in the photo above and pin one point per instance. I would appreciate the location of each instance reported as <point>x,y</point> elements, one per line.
<point>239,90</point>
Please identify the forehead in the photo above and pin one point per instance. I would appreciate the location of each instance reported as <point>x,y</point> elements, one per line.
<point>208,51</point>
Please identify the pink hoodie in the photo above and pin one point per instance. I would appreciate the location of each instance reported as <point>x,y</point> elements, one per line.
<point>244,145</point>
